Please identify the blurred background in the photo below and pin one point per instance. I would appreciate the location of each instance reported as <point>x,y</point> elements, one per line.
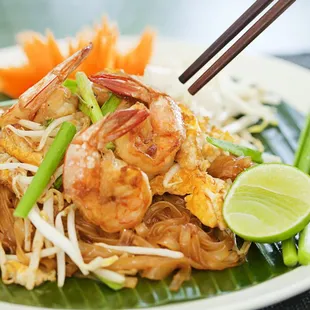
<point>197,21</point>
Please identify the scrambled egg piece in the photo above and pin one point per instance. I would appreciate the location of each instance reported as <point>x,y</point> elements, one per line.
<point>15,272</point>
<point>18,147</point>
<point>190,154</point>
<point>204,194</point>
<point>5,175</point>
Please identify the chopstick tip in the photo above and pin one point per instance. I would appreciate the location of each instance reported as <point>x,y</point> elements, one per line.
<point>182,78</point>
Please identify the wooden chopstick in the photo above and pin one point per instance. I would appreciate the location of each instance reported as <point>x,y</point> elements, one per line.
<point>270,16</point>
<point>248,16</point>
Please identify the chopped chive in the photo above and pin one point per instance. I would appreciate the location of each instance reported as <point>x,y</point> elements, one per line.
<point>47,168</point>
<point>236,149</point>
<point>110,105</point>
<point>110,146</point>
<point>58,183</point>
<point>71,84</point>
<point>89,105</point>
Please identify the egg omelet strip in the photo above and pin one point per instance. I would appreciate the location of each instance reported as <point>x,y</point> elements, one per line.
<point>204,195</point>
<point>19,148</point>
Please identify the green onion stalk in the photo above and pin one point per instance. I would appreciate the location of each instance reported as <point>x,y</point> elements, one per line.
<point>89,104</point>
<point>51,161</point>
<point>236,149</point>
<point>302,162</point>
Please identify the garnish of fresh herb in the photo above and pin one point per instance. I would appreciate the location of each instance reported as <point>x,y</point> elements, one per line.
<point>47,168</point>
<point>236,149</point>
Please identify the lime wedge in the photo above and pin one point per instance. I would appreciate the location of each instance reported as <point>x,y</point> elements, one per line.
<point>268,203</point>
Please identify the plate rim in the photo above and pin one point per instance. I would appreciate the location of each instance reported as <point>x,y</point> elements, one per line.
<point>271,291</point>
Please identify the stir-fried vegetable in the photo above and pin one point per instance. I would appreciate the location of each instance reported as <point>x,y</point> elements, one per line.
<point>89,104</point>
<point>302,162</point>
<point>49,165</point>
<point>72,85</point>
<point>58,182</point>
<point>110,146</point>
<point>110,105</point>
<point>236,149</point>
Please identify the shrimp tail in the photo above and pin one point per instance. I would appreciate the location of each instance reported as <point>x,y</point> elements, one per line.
<point>121,84</point>
<point>55,77</point>
<point>112,127</point>
<point>30,101</point>
<point>122,121</point>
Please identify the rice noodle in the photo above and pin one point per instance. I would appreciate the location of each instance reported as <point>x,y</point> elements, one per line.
<point>61,241</point>
<point>143,251</point>
<point>20,238</point>
<point>98,262</point>
<point>7,235</point>
<point>170,225</point>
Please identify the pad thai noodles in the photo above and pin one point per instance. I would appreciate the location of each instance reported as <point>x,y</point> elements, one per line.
<point>138,193</point>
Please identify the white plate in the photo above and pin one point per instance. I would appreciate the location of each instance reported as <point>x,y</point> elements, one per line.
<point>292,83</point>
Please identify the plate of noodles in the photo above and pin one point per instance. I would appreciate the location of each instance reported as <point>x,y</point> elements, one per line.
<point>110,194</point>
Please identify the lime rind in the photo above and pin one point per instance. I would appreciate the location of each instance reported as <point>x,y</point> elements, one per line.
<point>257,207</point>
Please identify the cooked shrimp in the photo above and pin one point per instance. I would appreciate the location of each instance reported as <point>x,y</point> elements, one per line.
<point>36,97</point>
<point>108,192</point>
<point>152,145</point>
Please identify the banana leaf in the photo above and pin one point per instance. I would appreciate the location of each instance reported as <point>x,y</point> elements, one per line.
<point>264,261</point>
